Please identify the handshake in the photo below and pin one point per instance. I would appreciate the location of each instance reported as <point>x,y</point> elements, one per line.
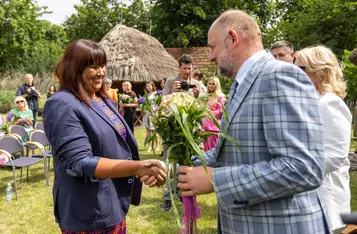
<point>152,173</point>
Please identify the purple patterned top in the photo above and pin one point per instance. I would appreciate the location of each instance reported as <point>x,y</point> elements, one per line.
<point>112,116</point>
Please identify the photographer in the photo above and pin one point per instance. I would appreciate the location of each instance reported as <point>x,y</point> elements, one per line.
<point>28,91</point>
<point>184,82</point>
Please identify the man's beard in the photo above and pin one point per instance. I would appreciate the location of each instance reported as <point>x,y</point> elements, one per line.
<point>225,63</point>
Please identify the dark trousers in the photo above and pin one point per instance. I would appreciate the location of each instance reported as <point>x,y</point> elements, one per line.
<point>35,114</point>
<point>129,116</point>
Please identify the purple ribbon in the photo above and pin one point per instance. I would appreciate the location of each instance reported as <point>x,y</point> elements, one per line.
<point>191,214</point>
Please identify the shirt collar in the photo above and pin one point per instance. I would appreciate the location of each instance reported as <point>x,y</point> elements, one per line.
<point>247,65</point>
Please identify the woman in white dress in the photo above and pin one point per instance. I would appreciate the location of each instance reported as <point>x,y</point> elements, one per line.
<point>324,70</point>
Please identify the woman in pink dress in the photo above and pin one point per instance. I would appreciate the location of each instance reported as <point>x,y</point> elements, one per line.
<point>216,101</point>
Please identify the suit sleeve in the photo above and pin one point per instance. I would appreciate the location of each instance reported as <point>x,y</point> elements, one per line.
<point>292,130</point>
<point>70,143</point>
<point>337,131</point>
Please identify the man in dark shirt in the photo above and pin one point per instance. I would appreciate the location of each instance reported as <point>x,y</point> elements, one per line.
<point>28,91</point>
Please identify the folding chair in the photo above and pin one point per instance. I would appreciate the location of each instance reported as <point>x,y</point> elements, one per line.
<point>10,145</point>
<point>19,130</point>
<point>39,136</point>
<point>39,126</point>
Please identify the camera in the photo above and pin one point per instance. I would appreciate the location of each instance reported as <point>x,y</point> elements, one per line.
<point>186,86</point>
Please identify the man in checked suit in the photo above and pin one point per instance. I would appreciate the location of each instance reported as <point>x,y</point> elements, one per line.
<point>270,185</point>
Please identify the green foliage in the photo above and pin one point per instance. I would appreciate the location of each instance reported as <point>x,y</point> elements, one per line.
<point>184,23</point>
<point>350,75</point>
<point>95,18</point>
<point>308,22</point>
<point>25,41</point>
<point>7,96</point>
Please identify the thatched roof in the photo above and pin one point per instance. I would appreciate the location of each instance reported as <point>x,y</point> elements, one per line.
<point>353,57</point>
<point>137,57</point>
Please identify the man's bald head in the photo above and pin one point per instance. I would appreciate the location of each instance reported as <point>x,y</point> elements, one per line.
<point>240,22</point>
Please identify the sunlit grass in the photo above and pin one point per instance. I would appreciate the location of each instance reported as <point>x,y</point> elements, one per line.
<point>33,212</point>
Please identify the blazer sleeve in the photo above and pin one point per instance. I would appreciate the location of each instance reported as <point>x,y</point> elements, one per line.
<point>293,134</point>
<point>337,131</point>
<point>70,143</point>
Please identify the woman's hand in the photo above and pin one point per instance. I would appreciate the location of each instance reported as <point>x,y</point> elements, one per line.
<point>153,173</point>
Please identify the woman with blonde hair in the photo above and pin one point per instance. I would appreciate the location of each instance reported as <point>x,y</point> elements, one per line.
<point>23,116</point>
<point>324,70</point>
<point>216,101</point>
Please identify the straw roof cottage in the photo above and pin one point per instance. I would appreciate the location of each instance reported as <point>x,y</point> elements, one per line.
<point>135,56</point>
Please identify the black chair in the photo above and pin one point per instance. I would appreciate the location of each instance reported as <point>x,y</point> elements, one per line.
<point>11,145</point>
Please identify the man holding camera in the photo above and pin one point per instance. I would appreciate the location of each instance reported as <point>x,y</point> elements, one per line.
<point>28,91</point>
<point>184,82</point>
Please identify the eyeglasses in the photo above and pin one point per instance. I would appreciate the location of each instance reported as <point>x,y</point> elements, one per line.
<point>21,101</point>
<point>303,68</point>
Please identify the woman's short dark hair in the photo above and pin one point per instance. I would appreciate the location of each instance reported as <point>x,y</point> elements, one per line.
<point>77,56</point>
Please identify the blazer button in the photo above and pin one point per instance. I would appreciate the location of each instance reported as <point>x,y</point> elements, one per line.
<point>130,181</point>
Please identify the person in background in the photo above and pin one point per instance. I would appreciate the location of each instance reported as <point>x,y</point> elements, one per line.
<point>283,50</point>
<point>23,115</point>
<point>112,93</point>
<point>32,95</point>
<point>95,154</point>
<point>162,83</point>
<point>197,75</point>
<point>270,184</point>
<point>322,67</point>
<point>129,108</point>
<point>146,123</point>
<point>162,86</point>
<point>51,91</point>
<point>216,102</point>
<point>173,84</point>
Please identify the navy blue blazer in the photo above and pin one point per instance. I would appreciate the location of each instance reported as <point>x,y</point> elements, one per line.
<point>79,136</point>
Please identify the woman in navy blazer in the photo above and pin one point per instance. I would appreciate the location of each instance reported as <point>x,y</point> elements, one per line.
<point>95,154</point>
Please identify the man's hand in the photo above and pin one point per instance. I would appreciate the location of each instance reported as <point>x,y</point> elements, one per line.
<point>194,180</point>
<point>150,179</point>
<point>196,91</point>
<point>177,86</point>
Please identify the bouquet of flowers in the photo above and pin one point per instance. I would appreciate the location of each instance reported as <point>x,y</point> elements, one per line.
<point>125,99</point>
<point>11,117</point>
<point>150,104</point>
<point>178,120</point>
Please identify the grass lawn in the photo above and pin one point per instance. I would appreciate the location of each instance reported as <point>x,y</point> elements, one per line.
<point>33,213</point>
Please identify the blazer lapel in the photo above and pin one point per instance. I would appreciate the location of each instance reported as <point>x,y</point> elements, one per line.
<point>130,138</point>
<point>241,92</point>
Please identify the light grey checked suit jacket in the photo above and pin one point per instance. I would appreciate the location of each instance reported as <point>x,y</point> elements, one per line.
<point>271,185</point>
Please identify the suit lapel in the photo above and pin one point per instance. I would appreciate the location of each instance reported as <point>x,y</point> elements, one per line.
<point>241,92</point>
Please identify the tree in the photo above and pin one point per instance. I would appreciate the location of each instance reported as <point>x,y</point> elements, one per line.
<point>183,23</point>
<point>25,41</point>
<point>308,22</point>
<point>94,18</point>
